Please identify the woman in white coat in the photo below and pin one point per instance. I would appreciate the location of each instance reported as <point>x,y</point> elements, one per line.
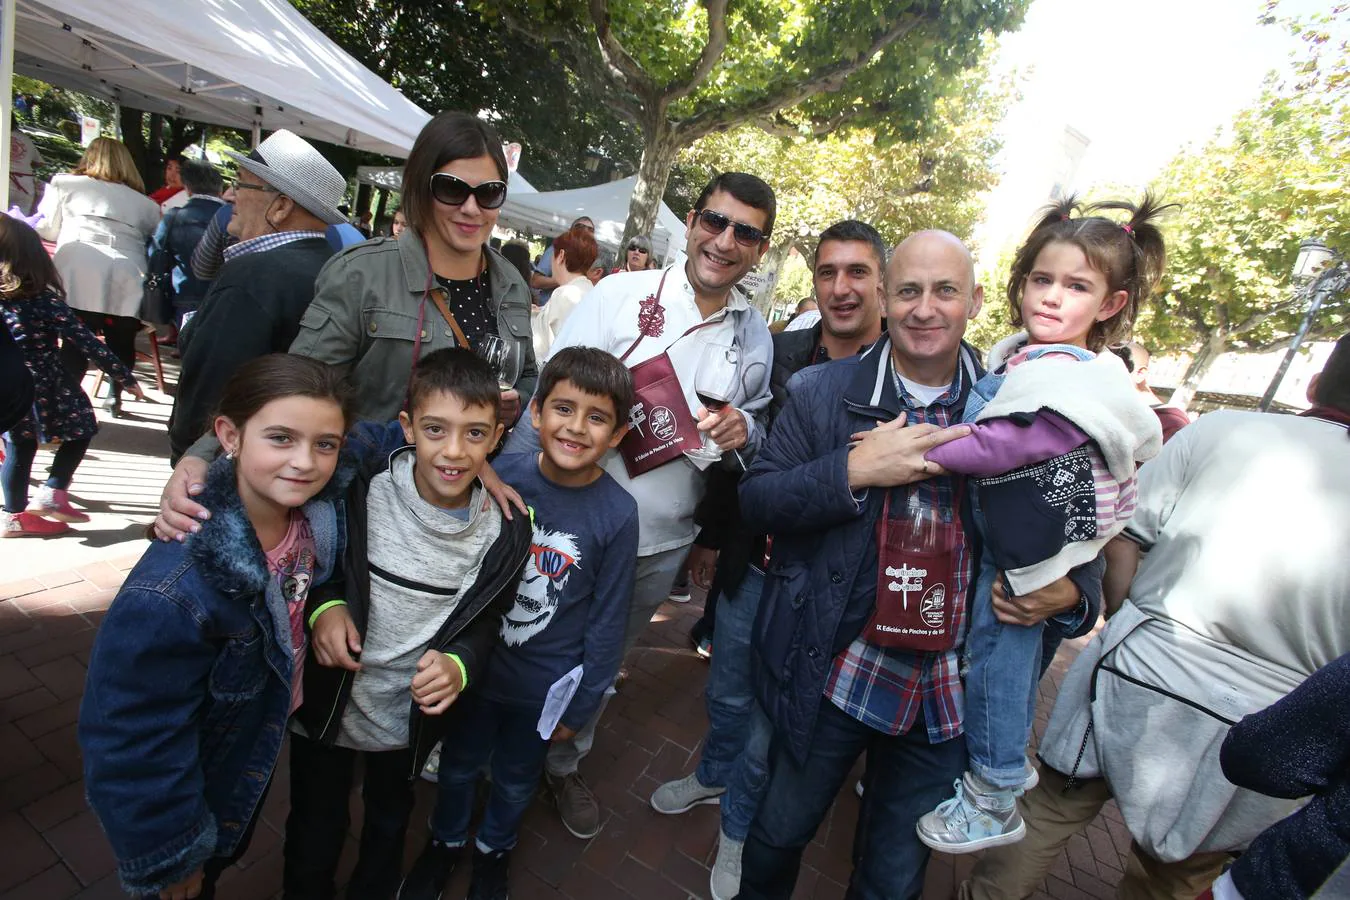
<point>101,221</point>
<point>573,254</point>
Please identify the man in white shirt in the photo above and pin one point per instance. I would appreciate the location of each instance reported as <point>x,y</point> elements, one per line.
<point>644,315</point>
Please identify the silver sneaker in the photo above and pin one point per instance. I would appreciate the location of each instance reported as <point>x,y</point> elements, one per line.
<point>675,797</point>
<point>972,820</point>
<point>726,870</point>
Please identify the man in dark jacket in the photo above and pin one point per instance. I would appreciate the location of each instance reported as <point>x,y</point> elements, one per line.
<point>849,268</point>
<point>178,234</point>
<point>851,433</point>
<point>287,195</point>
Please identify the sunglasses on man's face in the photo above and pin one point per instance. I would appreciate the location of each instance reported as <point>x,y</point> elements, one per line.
<point>716,223</point>
<point>452,191</point>
<point>635,248</point>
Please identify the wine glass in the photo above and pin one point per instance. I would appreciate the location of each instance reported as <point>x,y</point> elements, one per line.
<point>715,383</point>
<point>505,357</point>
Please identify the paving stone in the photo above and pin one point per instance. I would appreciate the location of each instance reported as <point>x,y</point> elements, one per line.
<point>82,846</point>
<point>23,852</point>
<point>25,704</point>
<point>55,808</point>
<point>64,677</point>
<point>55,883</point>
<point>54,717</point>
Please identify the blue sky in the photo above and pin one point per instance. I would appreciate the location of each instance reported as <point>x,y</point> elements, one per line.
<point>1139,78</point>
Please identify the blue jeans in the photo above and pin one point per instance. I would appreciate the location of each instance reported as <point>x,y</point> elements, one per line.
<point>1005,665</point>
<point>736,750</point>
<point>906,777</point>
<point>508,735</point>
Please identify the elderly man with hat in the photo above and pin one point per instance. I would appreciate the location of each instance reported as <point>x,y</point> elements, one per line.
<point>286,196</point>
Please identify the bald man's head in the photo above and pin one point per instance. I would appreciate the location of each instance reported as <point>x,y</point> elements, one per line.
<point>933,238</point>
<point>932,293</point>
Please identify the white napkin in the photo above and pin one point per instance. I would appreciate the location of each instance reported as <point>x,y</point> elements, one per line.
<point>560,694</point>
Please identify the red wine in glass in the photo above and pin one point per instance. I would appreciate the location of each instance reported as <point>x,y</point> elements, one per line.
<point>710,403</point>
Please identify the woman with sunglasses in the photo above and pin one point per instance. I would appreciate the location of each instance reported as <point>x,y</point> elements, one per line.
<point>381,305</point>
<point>638,255</point>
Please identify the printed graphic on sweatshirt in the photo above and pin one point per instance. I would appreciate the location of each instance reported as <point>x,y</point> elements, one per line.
<point>553,557</point>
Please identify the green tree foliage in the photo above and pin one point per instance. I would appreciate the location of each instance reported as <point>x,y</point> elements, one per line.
<point>682,71</point>
<point>932,181</point>
<point>1248,198</point>
<point>447,56</point>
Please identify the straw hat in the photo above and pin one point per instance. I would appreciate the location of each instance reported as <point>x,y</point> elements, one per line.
<point>290,164</point>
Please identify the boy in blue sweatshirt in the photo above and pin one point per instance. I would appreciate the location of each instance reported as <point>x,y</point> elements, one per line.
<point>571,610</point>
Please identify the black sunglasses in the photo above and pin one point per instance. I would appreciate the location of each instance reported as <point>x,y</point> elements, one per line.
<point>632,247</point>
<point>454,191</point>
<point>716,223</point>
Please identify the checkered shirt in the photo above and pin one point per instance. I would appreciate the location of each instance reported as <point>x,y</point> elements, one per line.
<point>268,242</point>
<point>881,687</point>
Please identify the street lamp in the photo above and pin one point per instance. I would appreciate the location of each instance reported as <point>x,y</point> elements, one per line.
<point>1314,263</point>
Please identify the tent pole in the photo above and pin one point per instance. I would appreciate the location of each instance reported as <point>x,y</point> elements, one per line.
<point>6,91</point>
<point>257,132</point>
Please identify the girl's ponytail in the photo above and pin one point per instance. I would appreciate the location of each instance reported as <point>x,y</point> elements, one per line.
<point>1149,247</point>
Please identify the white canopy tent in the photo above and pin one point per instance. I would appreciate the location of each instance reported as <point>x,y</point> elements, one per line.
<point>550,212</point>
<point>250,64</point>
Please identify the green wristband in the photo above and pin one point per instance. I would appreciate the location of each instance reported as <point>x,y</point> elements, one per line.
<point>463,672</point>
<point>323,609</point>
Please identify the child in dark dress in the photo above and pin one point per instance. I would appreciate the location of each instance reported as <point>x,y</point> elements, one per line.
<point>32,302</point>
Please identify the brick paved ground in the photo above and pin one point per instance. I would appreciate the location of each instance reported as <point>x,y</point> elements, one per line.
<point>51,847</point>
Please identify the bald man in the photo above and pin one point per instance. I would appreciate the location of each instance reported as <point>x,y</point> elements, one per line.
<point>841,673</point>
<point>1172,418</point>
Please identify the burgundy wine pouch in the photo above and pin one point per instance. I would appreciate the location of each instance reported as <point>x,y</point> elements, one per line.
<point>662,427</point>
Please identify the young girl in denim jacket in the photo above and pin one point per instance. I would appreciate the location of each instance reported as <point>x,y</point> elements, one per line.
<point>1059,430</point>
<point>196,666</point>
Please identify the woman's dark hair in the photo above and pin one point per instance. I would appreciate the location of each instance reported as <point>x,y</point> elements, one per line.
<point>455,371</point>
<point>26,269</point>
<point>593,371</point>
<point>279,375</point>
<point>447,137</point>
<point>1131,255</point>
<point>580,247</point>
<point>517,253</point>
<point>751,190</point>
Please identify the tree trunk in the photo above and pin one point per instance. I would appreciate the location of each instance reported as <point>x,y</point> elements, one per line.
<point>653,172</point>
<point>132,123</point>
<point>1209,351</point>
<point>770,266</point>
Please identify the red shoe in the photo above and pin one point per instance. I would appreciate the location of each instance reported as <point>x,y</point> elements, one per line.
<point>54,503</point>
<point>25,524</point>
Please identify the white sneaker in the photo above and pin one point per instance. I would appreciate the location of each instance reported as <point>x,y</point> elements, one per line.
<point>682,795</point>
<point>726,870</point>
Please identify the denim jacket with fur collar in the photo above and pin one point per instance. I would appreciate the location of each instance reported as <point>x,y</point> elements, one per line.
<point>189,689</point>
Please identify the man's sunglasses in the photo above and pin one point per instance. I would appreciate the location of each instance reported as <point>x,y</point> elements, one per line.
<point>632,247</point>
<point>454,191</point>
<point>716,223</point>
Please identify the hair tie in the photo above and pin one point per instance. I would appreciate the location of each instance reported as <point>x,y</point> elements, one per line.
<point>1129,229</point>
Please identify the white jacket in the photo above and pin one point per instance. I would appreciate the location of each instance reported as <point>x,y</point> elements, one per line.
<point>1244,592</point>
<point>101,231</point>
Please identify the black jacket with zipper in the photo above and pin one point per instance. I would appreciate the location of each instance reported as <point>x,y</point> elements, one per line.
<point>469,632</point>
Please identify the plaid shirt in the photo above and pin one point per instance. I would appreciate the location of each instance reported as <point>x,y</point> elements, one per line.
<point>268,242</point>
<point>881,687</point>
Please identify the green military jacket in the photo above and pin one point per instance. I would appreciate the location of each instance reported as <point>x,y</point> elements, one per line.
<point>364,319</point>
